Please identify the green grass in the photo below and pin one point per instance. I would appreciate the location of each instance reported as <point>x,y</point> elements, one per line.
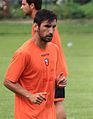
<point>78,102</point>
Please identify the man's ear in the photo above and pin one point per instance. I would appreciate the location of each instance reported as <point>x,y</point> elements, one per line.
<point>32,6</point>
<point>35,27</point>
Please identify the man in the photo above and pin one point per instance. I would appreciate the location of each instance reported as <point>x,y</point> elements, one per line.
<point>34,71</point>
<point>30,7</point>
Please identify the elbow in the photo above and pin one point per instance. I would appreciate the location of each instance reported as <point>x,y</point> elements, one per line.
<point>6,83</point>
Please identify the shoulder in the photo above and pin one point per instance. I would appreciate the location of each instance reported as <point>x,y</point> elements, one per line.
<point>23,51</point>
<point>53,46</point>
<point>25,47</point>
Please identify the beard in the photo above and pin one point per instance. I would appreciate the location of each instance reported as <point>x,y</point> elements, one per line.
<point>27,14</point>
<point>47,38</point>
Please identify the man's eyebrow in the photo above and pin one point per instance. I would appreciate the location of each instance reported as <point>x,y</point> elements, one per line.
<point>23,3</point>
<point>47,25</point>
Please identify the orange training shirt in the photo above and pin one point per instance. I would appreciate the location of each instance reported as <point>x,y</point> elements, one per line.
<point>35,70</point>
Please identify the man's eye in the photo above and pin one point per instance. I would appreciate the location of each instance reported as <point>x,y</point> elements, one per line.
<point>48,26</point>
<point>54,26</point>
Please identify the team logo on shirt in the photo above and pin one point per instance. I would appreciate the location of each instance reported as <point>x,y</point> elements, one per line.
<point>46,61</point>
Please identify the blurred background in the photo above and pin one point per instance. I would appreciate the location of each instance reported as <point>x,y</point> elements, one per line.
<point>75,26</point>
<point>64,8</point>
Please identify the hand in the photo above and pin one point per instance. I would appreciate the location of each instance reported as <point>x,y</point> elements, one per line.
<point>38,98</point>
<point>61,81</point>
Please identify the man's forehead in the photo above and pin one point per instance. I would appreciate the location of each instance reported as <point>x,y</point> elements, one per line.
<point>23,1</point>
<point>49,21</point>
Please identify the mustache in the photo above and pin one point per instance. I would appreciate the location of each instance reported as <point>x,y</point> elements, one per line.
<point>51,35</point>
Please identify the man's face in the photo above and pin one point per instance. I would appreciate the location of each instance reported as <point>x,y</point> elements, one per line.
<point>46,30</point>
<point>25,7</point>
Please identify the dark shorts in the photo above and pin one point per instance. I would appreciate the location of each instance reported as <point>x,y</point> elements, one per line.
<point>59,94</point>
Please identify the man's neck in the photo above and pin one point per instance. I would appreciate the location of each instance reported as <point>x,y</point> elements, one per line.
<point>41,44</point>
<point>33,14</point>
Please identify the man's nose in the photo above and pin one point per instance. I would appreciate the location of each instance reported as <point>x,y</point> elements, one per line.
<point>21,6</point>
<point>51,30</point>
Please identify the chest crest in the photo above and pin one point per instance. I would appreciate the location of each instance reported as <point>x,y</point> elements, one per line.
<point>46,60</point>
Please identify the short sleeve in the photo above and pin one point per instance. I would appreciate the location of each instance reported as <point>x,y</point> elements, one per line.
<point>16,66</point>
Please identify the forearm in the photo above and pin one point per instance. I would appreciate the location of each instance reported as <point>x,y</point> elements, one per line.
<point>17,88</point>
<point>37,98</point>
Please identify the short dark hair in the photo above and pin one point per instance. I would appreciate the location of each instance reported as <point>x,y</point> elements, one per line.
<point>37,3</point>
<point>43,15</point>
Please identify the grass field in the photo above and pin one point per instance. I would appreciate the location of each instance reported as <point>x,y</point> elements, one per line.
<point>79,91</point>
